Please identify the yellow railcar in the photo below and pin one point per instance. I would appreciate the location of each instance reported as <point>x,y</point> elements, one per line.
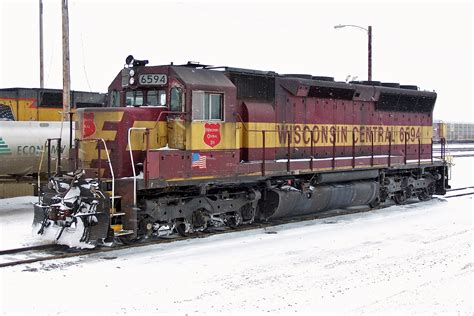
<point>33,104</point>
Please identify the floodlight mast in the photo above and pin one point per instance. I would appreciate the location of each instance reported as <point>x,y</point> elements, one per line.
<point>368,30</point>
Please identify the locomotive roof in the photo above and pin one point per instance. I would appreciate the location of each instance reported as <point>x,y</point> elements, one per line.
<point>202,77</point>
<point>263,85</point>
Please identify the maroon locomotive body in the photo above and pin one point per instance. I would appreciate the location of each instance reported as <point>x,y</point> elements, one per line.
<point>189,147</point>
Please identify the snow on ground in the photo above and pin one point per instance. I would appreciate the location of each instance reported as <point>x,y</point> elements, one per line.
<point>462,172</point>
<point>454,149</point>
<point>400,260</point>
<point>16,216</point>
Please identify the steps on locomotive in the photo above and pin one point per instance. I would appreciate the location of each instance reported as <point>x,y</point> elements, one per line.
<point>116,214</point>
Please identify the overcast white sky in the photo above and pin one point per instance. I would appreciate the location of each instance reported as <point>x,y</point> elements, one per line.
<point>426,43</point>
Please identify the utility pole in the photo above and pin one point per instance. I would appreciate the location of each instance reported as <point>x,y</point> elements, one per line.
<point>369,33</point>
<point>66,72</point>
<point>41,43</point>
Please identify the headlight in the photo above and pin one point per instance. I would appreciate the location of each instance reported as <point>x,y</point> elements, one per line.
<point>131,81</point>
<point>131,72</point>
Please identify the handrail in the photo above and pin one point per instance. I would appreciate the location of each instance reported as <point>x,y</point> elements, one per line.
<point>58,157</point>
<point>47,144</point>
<point>389,149</point>
<point>404,139</point>
<point>333,150</point>
<point>353,149</point>
<point>288,166</point>
<point>132,161</point>
<point>112,174</point>
<point>419,151</point>
<point>372,149</point>
<point>263,153</point>
<point>39,172</point>
<point>165,112</point>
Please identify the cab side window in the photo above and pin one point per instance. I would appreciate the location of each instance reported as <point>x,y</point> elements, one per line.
<point>176,100</point>
<point>114,99</point>
<point>207,106</point>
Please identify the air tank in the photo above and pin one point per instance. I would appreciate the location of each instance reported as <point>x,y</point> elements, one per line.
<point>22,144</point>
<point>288,201</point>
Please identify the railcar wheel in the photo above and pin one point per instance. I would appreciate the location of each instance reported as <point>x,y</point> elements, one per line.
<point>400,197</point>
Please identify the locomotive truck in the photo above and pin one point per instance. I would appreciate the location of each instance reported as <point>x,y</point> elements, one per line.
<point>186,148</point>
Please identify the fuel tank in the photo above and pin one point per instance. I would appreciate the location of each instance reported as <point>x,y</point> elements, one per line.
<point>22,143</point>
<point>288,201</point>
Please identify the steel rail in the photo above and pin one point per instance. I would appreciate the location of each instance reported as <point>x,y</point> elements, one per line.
<point>458,189</point>
<point>29,248</point>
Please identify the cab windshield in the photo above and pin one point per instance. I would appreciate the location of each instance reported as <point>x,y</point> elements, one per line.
<point>145,98</point>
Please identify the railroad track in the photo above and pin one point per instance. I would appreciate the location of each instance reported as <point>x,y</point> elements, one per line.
<point>53,251</point>
<point>66,252</point>
<point>459,192</point>
<point>456,152</point>
<point>30,254</point>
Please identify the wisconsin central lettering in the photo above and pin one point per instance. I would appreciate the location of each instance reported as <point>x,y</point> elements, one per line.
<point>300,134</point>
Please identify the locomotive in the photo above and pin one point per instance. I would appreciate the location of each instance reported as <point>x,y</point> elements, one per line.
<point>188,148</point>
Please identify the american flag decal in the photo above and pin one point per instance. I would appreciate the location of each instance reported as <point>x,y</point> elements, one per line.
<point>198,161</point>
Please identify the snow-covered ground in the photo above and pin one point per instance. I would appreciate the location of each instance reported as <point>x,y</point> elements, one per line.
<point>399,260</point>
<point>454,149</point>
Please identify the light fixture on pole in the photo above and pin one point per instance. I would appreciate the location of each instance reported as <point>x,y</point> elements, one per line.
<point>368,30</point>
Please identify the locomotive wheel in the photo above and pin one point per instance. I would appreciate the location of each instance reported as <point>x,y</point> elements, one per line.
<point>247,212</point>
<point>234,220</point>
<point>128,240</point>
<point>423,195</point>
<point>426,193</point>
<point>145,226</point>
<point>181,229</point>
<point>400,197</point>
<point>199,219</point>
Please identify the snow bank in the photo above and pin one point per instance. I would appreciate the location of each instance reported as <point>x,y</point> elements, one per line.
<point>17,202</point>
